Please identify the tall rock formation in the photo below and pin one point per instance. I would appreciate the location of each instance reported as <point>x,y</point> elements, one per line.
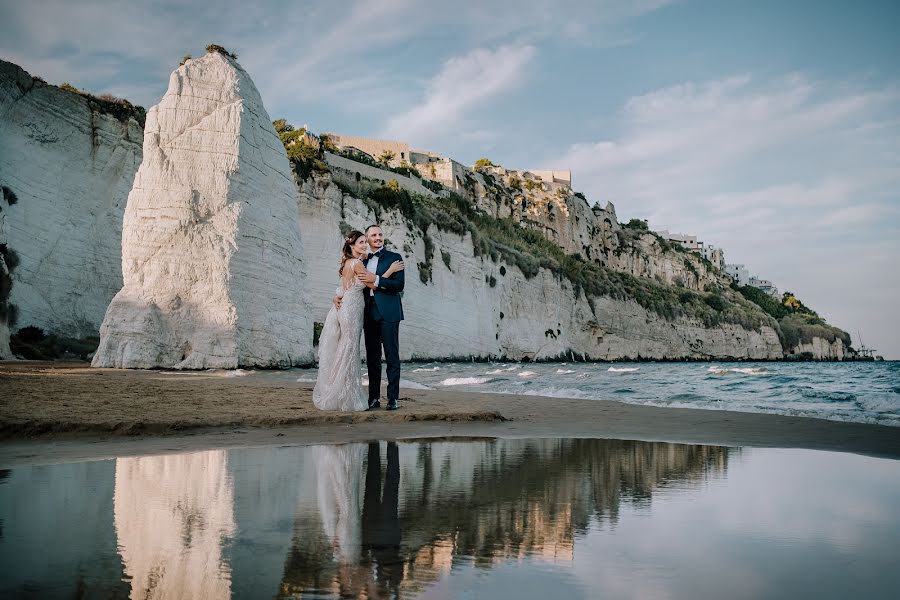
<point>67,163</point>
<point>211,246</point>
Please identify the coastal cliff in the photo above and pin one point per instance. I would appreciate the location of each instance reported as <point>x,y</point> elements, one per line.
<point>67,163</point>
<point>470,305</point>
<point>509,267</point>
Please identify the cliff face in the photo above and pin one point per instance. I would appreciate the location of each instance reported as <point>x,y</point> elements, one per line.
<point>819,349</point>
<point>593,233</point>
<point>211,250</point>
<point>70,166</point>
<point>460,314</point>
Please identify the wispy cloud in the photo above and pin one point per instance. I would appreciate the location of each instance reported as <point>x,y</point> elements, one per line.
<point>462,84</point>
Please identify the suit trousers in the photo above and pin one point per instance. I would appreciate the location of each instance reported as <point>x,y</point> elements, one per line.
<point>381,334</point>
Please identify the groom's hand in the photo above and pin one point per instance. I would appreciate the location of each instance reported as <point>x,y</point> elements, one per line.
<point>337,302</point>
<point>366,277</point>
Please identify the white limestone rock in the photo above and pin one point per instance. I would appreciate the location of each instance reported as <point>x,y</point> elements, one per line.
<point>211,246</point>
<point>70,164</point>
<point>820,349</point>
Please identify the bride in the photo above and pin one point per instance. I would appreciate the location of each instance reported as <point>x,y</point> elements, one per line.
<point>339,386</point>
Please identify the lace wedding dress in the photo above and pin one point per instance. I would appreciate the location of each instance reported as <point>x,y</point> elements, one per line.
<point>339,384</point>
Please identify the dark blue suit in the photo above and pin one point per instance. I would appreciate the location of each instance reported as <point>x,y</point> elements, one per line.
<point>384,311</point>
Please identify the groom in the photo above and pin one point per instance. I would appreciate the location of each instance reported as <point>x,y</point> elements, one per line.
<point>381,323</point>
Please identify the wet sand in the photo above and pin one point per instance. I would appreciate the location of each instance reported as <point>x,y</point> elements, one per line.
<point>54,412</point>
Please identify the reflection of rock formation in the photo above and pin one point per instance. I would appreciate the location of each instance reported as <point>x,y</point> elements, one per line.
<point>172,515</point>
<point>56,532</point>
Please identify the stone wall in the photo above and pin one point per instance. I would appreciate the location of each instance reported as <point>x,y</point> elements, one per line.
<point>375,147</point>
<point>345,171</point>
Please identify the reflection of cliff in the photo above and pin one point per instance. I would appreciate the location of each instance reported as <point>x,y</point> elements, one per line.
<point>172,516</point>
<point>490,501</point>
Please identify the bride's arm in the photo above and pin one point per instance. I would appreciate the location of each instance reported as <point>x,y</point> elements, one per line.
<point>359,269</point>
<point>396,266</point>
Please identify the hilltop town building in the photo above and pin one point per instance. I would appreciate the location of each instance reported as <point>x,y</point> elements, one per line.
<point>450,173</point>
<point>738,273</point>
<point>713,254</point>
<point>688,242</point>
<point>765,285</point>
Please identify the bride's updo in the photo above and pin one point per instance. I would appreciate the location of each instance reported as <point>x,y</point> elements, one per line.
<point>347,250</point>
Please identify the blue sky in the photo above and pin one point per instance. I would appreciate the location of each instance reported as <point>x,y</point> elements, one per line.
<point>769,128</point>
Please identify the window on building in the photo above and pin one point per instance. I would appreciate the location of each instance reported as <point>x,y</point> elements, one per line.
<point>402,156</point>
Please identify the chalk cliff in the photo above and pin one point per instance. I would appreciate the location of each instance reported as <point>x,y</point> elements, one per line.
<point>460,313</point>
<point>211,249</point>
<point>66,167</point>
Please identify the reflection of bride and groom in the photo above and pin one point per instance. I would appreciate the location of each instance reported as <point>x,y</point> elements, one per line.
<point>366,301</point>
<point>368,536</point>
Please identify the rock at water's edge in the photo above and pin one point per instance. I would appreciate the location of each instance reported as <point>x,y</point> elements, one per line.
<point>211,246</point>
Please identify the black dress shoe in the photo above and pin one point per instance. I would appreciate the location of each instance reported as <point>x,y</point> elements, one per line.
<point>392,405</point>
<point>374,405</point>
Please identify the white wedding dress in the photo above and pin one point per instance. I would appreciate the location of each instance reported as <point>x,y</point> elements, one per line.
<point>339,384</point>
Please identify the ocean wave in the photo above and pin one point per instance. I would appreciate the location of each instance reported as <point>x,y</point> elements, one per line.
<point>412,385</point>
<point>426,369</point>
<point>464,380</point>
<point>306,379</point>
<point>565,371</point>
<point>717,370</point>
<point>558,392</point>
<point>527,374</point>
<point>826,396</point>
<point>238,373</point>
<point>623,369</point>
<point>690,397</point>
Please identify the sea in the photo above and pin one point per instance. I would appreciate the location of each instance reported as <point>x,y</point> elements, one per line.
<point>861,392</point>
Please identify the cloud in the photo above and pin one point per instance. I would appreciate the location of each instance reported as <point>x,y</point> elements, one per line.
<point>463,83</point>
<point>795,177</point>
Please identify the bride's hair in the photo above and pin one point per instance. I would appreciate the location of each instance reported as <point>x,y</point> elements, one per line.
<point>347,250</point>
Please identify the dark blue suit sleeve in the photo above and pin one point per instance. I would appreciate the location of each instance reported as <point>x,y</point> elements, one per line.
<point>395,282</point>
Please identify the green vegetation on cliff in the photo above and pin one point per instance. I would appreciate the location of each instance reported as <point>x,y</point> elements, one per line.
<point>506,240</point>
<point>797,323</point>
<point>119,108</point>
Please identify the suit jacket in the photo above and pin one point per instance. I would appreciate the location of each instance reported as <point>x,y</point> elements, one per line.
<point>390,289</point>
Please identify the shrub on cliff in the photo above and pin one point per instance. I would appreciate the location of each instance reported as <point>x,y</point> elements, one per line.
<point>386,157</point>
<point>639,224</point>
<point>407,169</point>
<point>482,164</point>
<point>120,108</point>
<point>9,196</point>
<point>771,306</point>
<point>305,159</point>
<point>221,50</point>
<point>31,343</point>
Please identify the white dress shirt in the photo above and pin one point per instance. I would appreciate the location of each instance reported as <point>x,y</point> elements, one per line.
<point>372,266</point>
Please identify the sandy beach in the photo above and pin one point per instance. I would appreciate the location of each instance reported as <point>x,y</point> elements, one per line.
<point>52,412</point>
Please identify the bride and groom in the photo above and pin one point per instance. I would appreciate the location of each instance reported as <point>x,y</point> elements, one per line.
<point>366,301</point>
